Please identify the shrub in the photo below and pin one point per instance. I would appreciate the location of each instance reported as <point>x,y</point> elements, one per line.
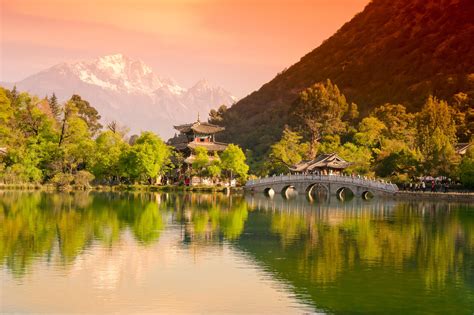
<point>82,179</point>
<point>62,181</point>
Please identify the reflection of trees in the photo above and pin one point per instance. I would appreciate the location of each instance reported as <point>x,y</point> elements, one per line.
<point>32,225</point>
<point>148,224</point>
<point>330,248</point>
<point>36,225</point>
<point>210,216</point>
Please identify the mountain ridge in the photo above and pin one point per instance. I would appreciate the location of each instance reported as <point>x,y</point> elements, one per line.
<point>128,91</point>
<point>393,51</point>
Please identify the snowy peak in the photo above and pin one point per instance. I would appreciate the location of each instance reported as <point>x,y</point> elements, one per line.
<point>128,91</point>
<point>118,73</point>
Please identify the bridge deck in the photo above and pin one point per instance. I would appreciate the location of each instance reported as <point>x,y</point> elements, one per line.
<point>376,185</point>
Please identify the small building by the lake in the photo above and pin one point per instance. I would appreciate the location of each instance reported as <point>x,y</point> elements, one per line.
<point>461,148</point>
<point>324,164</point>
<point>194,135</point>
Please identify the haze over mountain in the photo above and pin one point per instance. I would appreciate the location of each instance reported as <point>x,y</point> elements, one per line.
<point>129,92</point>
<point>394,51</point>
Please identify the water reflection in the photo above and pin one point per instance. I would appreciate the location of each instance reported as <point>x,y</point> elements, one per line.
<point>332,255</point>
<point>33,225</point>
<point>375,254</point>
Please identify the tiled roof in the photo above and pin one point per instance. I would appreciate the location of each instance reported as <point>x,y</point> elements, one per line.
<point>461,148</point>
<point>179,142</point>
<point>199,127</point>
<point>210,146</point>
<point>190,159</point>
<point>331,160</point>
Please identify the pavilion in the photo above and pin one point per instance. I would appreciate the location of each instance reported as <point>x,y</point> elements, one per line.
<point>324,164</point>
<point>194,135</point>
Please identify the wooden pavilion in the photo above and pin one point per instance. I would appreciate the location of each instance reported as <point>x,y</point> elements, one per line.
<point>324,164</point>
<point>194,135</point>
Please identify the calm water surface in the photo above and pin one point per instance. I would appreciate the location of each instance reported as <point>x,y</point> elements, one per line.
<point>197,253</point>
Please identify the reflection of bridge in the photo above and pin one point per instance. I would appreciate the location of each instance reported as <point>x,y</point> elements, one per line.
<point>330,184</point>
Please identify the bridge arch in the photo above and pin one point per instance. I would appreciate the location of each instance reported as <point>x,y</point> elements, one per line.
<point>344,193</point>
<point>269,192</point>
<point>317,190</point>
<point>367,195</point>
<point>286,190</point>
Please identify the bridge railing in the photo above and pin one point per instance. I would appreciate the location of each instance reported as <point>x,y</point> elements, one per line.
<point>359,181</point>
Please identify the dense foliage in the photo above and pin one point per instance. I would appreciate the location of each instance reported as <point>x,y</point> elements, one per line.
<point>397,52</point>
<point>65,144</point>
<point>389,142</point>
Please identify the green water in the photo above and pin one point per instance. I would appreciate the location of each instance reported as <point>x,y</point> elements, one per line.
<point>198,253</point>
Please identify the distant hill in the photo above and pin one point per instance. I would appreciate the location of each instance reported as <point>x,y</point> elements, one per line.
<point>127,91</point>
<point>394,51</point>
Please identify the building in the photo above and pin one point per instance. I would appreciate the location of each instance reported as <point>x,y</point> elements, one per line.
<point>324,164</point>
<point>461,148</point>
<point>194,135</point>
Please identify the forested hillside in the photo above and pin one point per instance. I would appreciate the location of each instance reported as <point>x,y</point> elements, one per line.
<point>397,52</point>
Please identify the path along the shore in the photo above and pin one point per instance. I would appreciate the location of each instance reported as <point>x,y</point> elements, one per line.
<point>449,196</point>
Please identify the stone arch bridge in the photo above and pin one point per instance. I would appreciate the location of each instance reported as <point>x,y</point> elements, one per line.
<point>331,184</point>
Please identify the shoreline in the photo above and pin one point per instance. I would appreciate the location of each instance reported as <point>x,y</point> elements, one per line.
<point>119,188</point>
<point>449,196</point>
<point>467,197</point>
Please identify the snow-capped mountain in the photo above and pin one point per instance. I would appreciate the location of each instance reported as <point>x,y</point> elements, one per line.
<point>128,91</point>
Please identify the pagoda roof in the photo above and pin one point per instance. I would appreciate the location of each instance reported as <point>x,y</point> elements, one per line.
<point>190,159</point>
<point>210,146</point>
<point>461,148</point>
<point>199,127</point>
<point>331,160</point>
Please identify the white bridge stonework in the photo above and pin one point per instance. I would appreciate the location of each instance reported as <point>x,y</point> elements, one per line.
<point>333,184</point>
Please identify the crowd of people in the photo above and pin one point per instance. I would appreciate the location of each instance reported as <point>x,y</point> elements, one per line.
<point>427,185</point>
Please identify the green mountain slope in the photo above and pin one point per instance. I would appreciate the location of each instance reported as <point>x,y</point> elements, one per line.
<point>394,51</point>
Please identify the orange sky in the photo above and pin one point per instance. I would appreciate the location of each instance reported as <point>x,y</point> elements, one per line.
<point>238,44</point>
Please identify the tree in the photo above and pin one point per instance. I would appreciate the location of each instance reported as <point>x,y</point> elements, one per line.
<point>370,132</point>
<point>397,160</point>
<point>54,106</point>
<point>288,151</point>
<point>360,156</point>
<point>318,111</point>
<point>466,169</point>
<point>77,146</point>
<point>215,168</point>
<point>436,135</point>
<point>6,114</point>
<point>216,116</point>
<point>109,147</point>
<point>88,113</point>
<point>233,161</point>
<point>146,159</point>
<point>399,124</point>
<point>116,128</point>
<point>463,115</point>
<point>201,160</point>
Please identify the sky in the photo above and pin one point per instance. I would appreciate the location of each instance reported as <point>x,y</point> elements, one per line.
<point>237,44</point>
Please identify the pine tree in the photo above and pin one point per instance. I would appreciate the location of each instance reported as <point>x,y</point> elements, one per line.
<point>55,107</point>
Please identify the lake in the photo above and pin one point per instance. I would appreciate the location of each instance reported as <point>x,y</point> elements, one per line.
<point>210,253</point>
